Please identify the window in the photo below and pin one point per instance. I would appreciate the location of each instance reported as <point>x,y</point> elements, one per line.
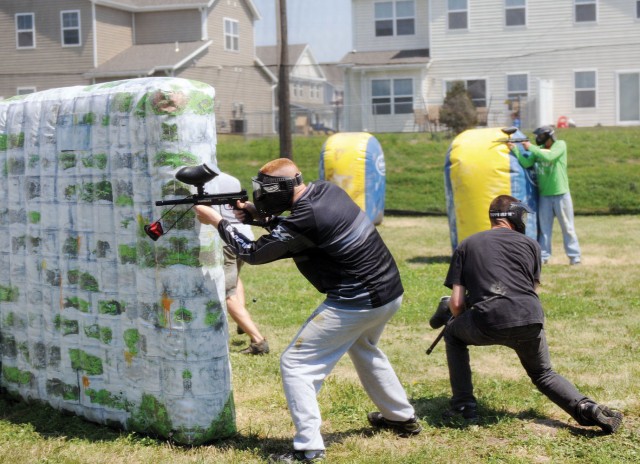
<point>517,90</point>
<point>25,90</point>
<point>638,9</point>
<point>585,85</point>
<point>458,14</point>
<point>395,18</point>
<point>25,30</point>
<point>70,28</point>
<point>476,88</point>
<point>515,12</point>
<point>231,35</point>
<point>585,11</point>
<point>629,96</point>
<point>392,96</point>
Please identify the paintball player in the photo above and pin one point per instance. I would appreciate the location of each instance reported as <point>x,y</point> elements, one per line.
<point>338,249</point>
<point>234,289</point>
<point>550,159</point>
<point>495,273</point>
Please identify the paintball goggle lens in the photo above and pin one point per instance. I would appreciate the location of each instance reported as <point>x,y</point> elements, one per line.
<point>273,195</point>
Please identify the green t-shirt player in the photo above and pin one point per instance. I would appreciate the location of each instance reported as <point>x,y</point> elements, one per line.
<point>549,156</point>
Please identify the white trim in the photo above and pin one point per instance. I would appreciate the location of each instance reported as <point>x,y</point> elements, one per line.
<point>191,56</point>
<point>33,30</point>
<point>204,30</point>
<point>94,28</point>
<point>191,6</point>
<point>62,28</point>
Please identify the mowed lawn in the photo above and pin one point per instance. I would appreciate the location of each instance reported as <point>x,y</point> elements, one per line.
<point>593,327</point>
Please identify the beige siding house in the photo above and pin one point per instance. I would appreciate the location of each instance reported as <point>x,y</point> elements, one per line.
<point>543,61</point>
<point>105,40</point>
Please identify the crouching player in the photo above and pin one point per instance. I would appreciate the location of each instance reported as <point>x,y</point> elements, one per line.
<point>496,273</point>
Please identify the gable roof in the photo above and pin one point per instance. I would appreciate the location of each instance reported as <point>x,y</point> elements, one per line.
<point>141,6</point>
<point>386,58</point>
<point>270,54</point>
<point>145,60</point>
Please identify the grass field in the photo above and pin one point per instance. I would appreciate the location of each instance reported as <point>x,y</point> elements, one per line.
<point>593,326</point>
<point>604,167</point>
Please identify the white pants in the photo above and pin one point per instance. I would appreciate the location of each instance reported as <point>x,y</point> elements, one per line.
<point>328,334</point>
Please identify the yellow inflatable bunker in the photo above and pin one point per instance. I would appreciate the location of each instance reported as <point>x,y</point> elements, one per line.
<point>355,162</point>
<point>479,167</point>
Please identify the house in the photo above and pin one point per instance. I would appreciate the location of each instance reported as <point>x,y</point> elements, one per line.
<point>47,44</point>
<point>334,92</point>
<point>306,85</point>
<point>540,61</point>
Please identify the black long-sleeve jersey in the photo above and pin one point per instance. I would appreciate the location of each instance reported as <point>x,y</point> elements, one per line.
<point>334,245</point>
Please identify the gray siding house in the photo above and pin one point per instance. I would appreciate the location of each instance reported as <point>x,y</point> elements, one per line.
<point>46,44</point>
<point>545,62</point>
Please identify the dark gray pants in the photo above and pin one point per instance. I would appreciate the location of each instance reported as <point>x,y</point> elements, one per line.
<point>529,343</point>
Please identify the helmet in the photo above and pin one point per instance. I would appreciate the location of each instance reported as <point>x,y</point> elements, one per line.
<point>274,195</point>
<point>516,214</point>
<point>543,134</point>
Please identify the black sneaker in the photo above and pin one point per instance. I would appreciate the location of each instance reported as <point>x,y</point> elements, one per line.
<point>403,428</point>
<point>298,456</point>
<point>608,420</point>
<point>257,348</point>
<point>467,412</point>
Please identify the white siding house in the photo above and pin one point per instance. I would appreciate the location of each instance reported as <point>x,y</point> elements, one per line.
<point>577,59</point>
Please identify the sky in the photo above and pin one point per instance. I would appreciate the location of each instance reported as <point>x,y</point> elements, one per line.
<point>325,25</point>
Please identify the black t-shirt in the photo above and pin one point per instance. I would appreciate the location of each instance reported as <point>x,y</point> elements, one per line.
<point>499,269</point>
<point>334,245</point>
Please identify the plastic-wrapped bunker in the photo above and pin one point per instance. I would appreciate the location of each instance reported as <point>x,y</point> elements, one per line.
<point>95,317</point>
<point>355,162</point>
<point>477,169</point>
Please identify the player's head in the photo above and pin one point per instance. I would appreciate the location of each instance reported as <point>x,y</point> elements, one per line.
<point>274,186</point>
<point>510,209</point>
<point>544,134</point>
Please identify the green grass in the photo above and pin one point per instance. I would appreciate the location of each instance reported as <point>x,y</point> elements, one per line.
<point>604,167</point>
<point>593,327</point>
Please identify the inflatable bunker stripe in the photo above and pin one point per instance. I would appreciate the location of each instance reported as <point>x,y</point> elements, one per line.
<point>355,162</point>
<point>95,317</point>
<point>476,170</point>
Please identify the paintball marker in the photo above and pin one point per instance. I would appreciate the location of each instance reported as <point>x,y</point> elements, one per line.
<point>509,131</point>
<point>196,176</point>
<point>439,319</point>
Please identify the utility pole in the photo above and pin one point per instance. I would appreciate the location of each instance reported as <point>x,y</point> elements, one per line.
<point>283,83</point>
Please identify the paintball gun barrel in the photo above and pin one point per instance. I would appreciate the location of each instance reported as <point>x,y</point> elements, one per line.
<point>509,131</point>
<point>196,176</point>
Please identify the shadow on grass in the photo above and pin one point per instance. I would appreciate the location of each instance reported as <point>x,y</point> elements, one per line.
<point>430,260</point>
<point>430,411</point>
<point>50,423</point>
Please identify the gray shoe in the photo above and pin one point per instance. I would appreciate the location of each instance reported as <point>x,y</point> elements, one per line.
<point>257,348</point>
<point>597,414</point>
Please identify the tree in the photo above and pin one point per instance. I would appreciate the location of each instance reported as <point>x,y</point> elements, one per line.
<point>457,111</point>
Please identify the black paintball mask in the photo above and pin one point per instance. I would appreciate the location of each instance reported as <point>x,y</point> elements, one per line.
<point>543,134</point>
<point>516,215</point>
<point>274,195</point>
